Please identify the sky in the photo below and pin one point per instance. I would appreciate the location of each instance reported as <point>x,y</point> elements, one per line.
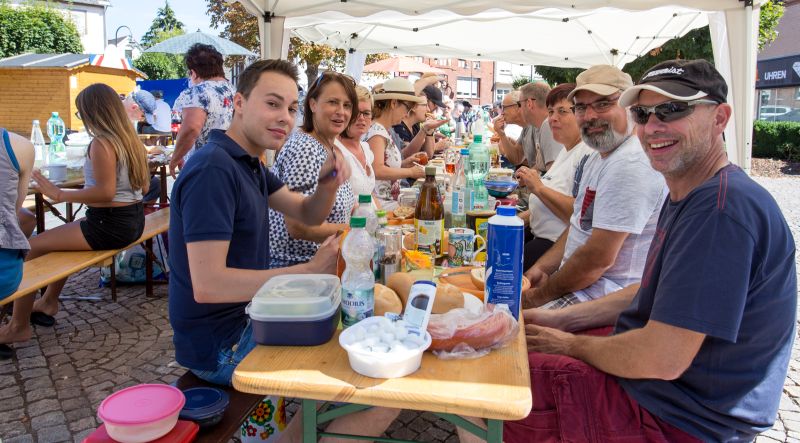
<point>139,14</point>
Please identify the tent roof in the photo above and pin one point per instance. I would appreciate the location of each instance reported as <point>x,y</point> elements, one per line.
<point>549,36</point>
<point>362,8</point>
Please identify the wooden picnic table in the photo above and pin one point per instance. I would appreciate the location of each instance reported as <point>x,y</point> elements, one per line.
<point>75,180</point>
<point>495,387</point>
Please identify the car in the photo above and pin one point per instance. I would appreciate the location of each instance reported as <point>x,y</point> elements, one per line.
<point>791,116</point>
<point>769,112</point>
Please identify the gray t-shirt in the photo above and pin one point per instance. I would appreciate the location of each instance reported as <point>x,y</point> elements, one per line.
<point>620,193</point>
<point>539,146</point>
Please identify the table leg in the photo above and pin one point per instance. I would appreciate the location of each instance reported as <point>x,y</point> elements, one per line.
<point>494,431</point>
<point>148,266</point>
<point>39,199</point>
<point>309,421</point>
<point>162,199</point>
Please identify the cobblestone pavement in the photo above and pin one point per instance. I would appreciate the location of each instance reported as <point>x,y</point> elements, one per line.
<point>51,390</point>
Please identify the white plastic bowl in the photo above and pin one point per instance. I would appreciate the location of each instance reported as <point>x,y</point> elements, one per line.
<point>382,365</point>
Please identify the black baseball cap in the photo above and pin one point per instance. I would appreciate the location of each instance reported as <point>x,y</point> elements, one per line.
<point>433,94</point>
<point>680,80</point>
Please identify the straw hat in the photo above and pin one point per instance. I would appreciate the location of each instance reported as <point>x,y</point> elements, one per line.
<point>397,88</point>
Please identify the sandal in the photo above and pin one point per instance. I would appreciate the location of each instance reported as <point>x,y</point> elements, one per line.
<point>42,319</point>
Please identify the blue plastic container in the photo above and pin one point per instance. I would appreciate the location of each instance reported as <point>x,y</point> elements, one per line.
<point>204,406</point>
<point>504,247</point>
<point>296,310</point>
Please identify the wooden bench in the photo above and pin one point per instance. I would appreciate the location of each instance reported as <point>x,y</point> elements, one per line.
<point>54,266</point>
<point>240,406</point>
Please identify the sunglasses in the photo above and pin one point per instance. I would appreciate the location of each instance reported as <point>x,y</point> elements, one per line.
<point>666,112</point>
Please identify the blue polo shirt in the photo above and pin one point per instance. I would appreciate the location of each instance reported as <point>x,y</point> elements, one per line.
<point>221,194</point>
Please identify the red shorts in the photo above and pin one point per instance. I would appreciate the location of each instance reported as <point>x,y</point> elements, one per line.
<point>574,402</point>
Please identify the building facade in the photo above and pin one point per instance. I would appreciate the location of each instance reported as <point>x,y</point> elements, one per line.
<point>89,17</point>
<point>471,80</point>
<point>505,73</point>
<point>778,70</point>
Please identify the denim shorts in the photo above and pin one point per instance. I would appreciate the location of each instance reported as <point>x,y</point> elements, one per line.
<point>228,358</point>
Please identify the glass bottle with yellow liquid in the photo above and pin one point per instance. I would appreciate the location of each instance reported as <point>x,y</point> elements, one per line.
<point>429,217</point>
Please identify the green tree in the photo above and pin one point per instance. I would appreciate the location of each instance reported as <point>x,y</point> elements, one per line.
<point>768,19</point>
<point>158,65</point>
<point>165,21</point>
<point>37,28</point>
<point>554,76</point>
<point>241,27</point>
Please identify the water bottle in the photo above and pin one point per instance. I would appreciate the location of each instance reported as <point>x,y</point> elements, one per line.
<point>366,210</point>
<point>37,139</point>
<point>380,246</point>
<point>358,280</point>
<point>56,131</point>
<point>477,170</point>
<point>462,196</point>
<point>504,246</point>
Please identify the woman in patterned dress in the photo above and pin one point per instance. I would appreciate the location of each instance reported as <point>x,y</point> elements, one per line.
<point>205,105</point>
<point>393,100</point>
<point>329,110</point>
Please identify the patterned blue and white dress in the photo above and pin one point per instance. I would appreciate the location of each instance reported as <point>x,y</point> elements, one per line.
<point>298,165</point>
<point>215,97</point>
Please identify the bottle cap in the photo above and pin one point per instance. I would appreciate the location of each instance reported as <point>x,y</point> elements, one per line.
<point>36,122</point>
<point>364,198</point>
<point>358,222</point>
<point>380,213</point>
<point>54,114</point>
<point>430,170</point>
<point>464,151</point>
<point>477,138</point>
<point>507,210</point>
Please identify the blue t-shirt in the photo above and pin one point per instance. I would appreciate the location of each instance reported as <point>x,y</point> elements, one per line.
<point>722,264</point>
<point>221,194</point>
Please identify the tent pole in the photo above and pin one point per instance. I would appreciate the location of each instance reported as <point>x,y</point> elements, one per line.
<point>747,116</point>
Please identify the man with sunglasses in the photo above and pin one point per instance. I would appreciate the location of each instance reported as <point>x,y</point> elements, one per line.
<point>616,206</point>
<point>700,351</point>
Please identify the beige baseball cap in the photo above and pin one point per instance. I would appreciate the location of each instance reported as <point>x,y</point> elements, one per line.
<point>602,80</point>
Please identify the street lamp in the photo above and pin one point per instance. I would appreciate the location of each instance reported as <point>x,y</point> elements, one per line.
<point>116,33</point>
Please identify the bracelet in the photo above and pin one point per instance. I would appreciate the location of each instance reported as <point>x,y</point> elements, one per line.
<point>429,134</point>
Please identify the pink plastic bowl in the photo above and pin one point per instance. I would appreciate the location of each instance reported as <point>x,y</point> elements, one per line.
<point>141,413</point>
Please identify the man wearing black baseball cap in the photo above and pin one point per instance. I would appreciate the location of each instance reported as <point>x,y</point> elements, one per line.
<point>700,349</point>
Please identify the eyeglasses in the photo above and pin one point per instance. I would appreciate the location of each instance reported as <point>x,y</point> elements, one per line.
<point>666,112</point>
<point>332,74</point>
<point>366,114</point>
<point>561,111</point>
<point>600,106</point>
<point>504,107</point>
<point>78,115</point>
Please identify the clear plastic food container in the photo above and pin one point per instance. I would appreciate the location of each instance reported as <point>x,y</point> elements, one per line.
<point>296,310</point>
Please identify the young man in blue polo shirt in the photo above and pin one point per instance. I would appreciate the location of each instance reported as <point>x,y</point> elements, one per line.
<point>219,225</point>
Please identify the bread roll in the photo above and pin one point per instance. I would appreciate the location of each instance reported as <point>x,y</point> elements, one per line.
<point>478,277</point>
<point>447,297</point>
<point>400,283</point>
<point>386,300</point>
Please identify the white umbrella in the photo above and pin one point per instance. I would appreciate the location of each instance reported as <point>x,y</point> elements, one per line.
<point>181,44</point>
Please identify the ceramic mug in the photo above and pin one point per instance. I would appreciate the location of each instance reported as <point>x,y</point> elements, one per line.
<point>461,246</point>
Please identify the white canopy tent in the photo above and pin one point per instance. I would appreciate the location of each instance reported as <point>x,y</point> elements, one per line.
<point>553,32</point>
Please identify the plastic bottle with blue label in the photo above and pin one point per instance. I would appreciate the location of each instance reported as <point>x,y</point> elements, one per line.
<point>56,131</point>
<point>505,244</point>
<point>358,280</point>
<point>477,170</point>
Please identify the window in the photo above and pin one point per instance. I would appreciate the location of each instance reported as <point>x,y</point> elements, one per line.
<point>436,61</point>
<point>500,93</point>
<point>444,62</point>
<point>79,18</point>
<point>468,87</point>
<point>129,54</point>
<point>462,63</point>
<point>476,65</point>
<point>505,72</point>
<point>418,59</point>
<point>797,93</point>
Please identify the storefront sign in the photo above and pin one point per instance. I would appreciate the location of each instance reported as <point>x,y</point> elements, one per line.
<point>778,72</point>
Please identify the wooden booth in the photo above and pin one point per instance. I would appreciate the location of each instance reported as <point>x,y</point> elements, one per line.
<point>32,86</point>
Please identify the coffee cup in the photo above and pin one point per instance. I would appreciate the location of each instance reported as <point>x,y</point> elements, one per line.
<point>56,172</point>
<point>461,246</point>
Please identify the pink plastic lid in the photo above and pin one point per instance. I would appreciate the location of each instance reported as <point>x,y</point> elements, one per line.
<point>141,404</point>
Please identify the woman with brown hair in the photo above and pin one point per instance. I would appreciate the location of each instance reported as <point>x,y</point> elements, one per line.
<point>329,110</point>
<point>205,105</point>
<point>116,175</point>
<point>393,100</point>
